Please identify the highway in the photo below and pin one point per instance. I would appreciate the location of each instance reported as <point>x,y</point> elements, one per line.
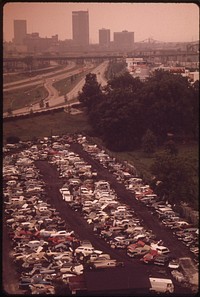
<point>38,79</point>
<point>53,98</point>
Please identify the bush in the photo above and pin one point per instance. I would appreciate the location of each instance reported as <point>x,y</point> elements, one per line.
<point>149,142</point>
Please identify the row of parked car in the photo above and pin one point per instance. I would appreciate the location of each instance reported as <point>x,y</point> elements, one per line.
<point>48,236</point>
<point>112,221</point>
<point>127,174</point>
<point>44,248</point>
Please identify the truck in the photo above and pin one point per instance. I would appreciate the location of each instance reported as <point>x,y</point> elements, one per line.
<point>161,285</point>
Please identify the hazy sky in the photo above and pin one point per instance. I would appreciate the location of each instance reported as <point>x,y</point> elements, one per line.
<point>160,21</point>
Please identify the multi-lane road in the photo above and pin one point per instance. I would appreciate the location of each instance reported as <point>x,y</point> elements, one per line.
<point>53,98</point>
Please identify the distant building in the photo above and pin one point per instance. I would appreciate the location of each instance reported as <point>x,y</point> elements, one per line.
<point>80,28</point>
<point>124,40</point>
<point>37,44</point>
<point>104,37</point>
<point>20,31</point>
<point>138,67</point>
<point>192,75</point>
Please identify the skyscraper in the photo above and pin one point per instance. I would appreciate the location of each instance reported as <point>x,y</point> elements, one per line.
<point>124,40</point>
<point>20,31</point>
<point>80,28</point>
<point>104,37</point>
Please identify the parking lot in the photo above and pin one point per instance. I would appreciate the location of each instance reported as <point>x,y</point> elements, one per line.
<point>71,210</point>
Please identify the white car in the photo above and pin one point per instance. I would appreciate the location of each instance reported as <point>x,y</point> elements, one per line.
<point>86,251</point>
<point>162,250</point>
<point>64,256</point>
<point>174,264</point>
<point>62,233</point>
<point>78,269</point>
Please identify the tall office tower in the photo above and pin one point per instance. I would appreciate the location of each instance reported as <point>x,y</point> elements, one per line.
<point>104,37</point>
<point>20,31</point>
<point>80,28</point>
<point>124,40</point>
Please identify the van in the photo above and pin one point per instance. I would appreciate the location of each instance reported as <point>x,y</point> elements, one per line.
<point>161,285</point>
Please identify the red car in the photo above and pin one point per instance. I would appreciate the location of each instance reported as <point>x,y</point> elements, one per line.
<point>149,258</point>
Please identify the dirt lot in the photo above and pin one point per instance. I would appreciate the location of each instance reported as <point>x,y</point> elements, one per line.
<point>134,270</point>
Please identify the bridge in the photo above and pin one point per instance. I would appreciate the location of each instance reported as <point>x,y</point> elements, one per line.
<point>150,55</point>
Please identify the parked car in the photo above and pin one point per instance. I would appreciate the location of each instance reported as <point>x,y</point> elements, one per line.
<point>161,260</point>
<point>86,250</point>
<point>106,264</point>
<point>174,264</point>
<point>160,249</point>
<point>149,257</point>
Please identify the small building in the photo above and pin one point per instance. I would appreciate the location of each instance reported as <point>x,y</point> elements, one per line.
<point>138,67</point>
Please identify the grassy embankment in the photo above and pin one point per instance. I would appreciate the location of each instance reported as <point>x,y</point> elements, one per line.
<point>15,77</point>
<point>143,162</point>
<point>19,98</point>
<point>55,123</point>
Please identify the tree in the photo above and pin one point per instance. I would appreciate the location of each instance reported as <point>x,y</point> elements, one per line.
<point>91,91</point>
<point>149,142</point>
<point>117,117</point>
<point>175,176</point>
<point>195,109</point>
<point>171,147</point>
<point>124,81</point>
<point>127,108</point>
<point>167,98</point>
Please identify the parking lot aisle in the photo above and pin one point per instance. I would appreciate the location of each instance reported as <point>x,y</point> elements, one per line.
<point>72,218</point>
<point>149,220</point>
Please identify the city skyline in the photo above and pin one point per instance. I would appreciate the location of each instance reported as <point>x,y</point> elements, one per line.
<point>165,22</point>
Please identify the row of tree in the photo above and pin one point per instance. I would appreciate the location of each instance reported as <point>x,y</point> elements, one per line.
<point>123,111</point>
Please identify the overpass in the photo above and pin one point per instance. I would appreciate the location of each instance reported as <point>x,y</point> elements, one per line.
<point>162,56</point>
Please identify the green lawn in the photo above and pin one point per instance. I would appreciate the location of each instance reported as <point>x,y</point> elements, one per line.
<point>142,162</point>
<point>67,84</point>
<point>45,125</point>
<point>24,75</point>
<point>23,97</point>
